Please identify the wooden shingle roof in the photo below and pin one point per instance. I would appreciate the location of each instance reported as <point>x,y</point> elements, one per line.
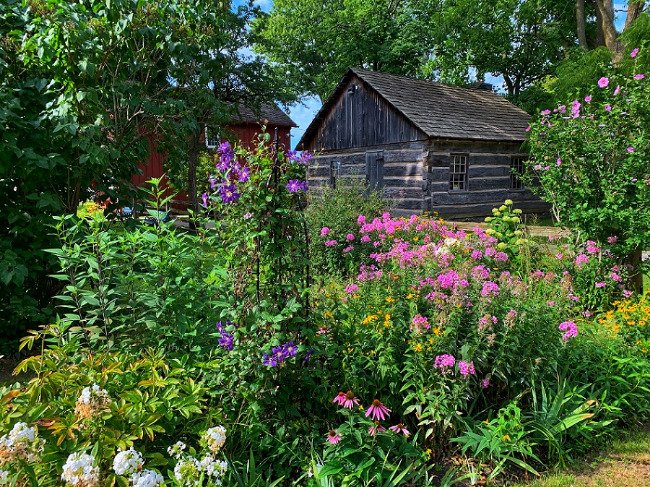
<point>440,111</point>
<point>266,113</point>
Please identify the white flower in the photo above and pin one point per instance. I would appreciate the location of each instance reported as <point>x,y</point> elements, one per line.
<point>147,478</point>
<point>187,471</point>
<point>176,450</point>
<point>91,401</point>
<point>4,477</point>
<point>79,471</point>
<point>215,437</point>
<point>212,467</point>
<point>21,443</point>
<point>127,462</point>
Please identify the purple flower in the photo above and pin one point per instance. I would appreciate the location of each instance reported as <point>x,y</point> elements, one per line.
<point>630,149</point>
<point>279,354</point>
<point>634,52</point>
<point>545,112</point>
<point>466,368</point>
<point>639,76</point>
<point>558,162</point>
<point>296,185</point>
<point>226,340</point>
<point>612,239</point>
<point>588,98</point>
<point>490,289</point>
<point>330,243</point>
<point>570,330</point>
<point>603,82</point>
<point>561,108</point>
<point>444,361</point>
<point>204,197</point>
<point>608,108</point>
<point>243,173</point>
<point>581,259</point>
<point>600,284</point>
<point>485,383</point>
<point>228,193</point>
<point>351,288</point>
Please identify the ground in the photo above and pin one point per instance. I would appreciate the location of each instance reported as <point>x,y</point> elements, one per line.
<point>626,463</point>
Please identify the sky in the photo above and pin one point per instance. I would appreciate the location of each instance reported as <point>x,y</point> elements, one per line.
<point>303,113</point>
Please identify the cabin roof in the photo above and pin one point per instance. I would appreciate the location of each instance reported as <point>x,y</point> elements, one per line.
<point>266,113</point>
<point>439,110</point>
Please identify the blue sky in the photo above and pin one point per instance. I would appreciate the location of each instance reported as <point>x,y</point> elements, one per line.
<point>303,113</point>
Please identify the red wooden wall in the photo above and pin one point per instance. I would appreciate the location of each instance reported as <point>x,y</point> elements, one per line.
<point>246,135</point>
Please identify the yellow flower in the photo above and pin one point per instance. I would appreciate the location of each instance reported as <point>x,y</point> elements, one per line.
<point>505,437</point>
<point>328,314</point>
<point>418,347</point>
<point>390,299</point>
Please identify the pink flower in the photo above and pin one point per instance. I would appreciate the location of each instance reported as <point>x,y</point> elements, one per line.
<point>350,400</point>
<point>570,330</point>
<point>588,98</point>
<point>603,82</point>
<point>581,259</point>
<point>377,411</point>
<point>600,284</point>
<point>349,237</point>
<point>592,247</point>
<point>485,383</point>
<point>561,108</point>
<point>575,109</point>
<point>466,368</point>
<point>333,437</point>
<point>339,399</point>
<point>330,243</point>
<point>348,249</point>
<point>399,428</point>
<point>528,128</point>
<point>559,256</point>
<point>639,76</point>
<point>615,277</point>
<point>420,323</point>
<point>617,90</point>
<point>545,112</point>
<point>558,162</point>
<point>444,361</point>
<point>477,255</point>
<point>608,108</point>
<point>627,293</point>
<point>490,289</point>
<point>351,288</point>
<point>375,428</point>
<point>537,167</point>
<point>612,240</point>
<point>634,52</point>
<point>365,239</point>
<point>361,219</point>
<point>630,149</point>
<point>324,231</point>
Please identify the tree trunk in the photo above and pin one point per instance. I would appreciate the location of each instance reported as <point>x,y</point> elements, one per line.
<point>580,23</point>
<point>634,9</point>
<point>605,10</point>
<point>636,277</point>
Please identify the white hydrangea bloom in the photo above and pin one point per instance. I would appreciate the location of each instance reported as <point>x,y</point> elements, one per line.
<point>147,478</point>
<point>127,462</point>
<point>21,443</point>
<point>79,471</point>
<point>177,450</point>
<point>187,471</point>
<point>215,438</point>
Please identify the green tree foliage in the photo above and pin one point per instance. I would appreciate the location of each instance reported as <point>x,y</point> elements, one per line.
<point>84,86</point>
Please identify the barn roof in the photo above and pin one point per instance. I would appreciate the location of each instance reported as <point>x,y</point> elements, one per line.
<point>440,111</point>
<point>266,113</point>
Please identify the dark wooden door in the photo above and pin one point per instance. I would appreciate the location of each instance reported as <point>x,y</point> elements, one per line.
<point>375,169</point>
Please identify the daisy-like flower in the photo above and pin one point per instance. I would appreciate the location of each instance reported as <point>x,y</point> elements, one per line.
<point>333,437</point>
<point>375,428</point>
<point>339,399</point>
<point>399,428</point>
<point>377,411</point>
<point>350,400</point>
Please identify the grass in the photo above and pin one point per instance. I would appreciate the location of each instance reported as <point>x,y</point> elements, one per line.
<point>625,464</point>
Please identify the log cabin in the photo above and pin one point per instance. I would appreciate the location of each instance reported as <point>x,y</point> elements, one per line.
<point>425,146</point>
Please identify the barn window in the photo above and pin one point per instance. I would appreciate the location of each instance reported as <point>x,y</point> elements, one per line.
<point>212,139</point>
<point>516,170</point>
<point>458,172</point>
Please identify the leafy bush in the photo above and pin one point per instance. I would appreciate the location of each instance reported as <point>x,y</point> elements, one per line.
<point>331,217</point>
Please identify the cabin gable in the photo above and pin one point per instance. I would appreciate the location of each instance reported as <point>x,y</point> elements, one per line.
<point>357,116</point>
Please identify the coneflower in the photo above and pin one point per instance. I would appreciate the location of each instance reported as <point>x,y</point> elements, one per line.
<point>333,437</point>
<point>377,411</point>
<point>399,428</point>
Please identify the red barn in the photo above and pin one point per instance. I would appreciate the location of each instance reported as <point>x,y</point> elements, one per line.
<point>243,130</point>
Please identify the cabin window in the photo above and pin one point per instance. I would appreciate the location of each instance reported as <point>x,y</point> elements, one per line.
<point>516,170</point>
<point>458,172</point>
<point>212,139</point>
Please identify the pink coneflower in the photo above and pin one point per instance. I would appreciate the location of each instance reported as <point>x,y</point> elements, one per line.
<point>350,400</point>
<point>399,428</point>
<point>339,399</point>
<point>375,428</point>
<point>333,437</point>
<point>377,411</point>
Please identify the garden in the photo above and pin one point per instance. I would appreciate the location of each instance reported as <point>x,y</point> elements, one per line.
<point>295,339</point>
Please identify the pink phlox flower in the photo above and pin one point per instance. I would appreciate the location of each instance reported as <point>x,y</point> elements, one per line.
<point>558,162</point>
<point>333,437</point>
<point>348,249</point>
<point>639,76</point>
<point>324,231</point>
<point>466,368</point>
<point>615,277</point>
<point>330,243</point>
<point>444,361</point>
<point>351,288</point>
<point>365,239</point>
<point>377,411</point>
<point>627,293</point>
<point>608,108</point>
<point>603,82</point>
<point>570,330</point>
<point>588,98</point>
<point>575,109</point>
<point>349,237</point>
<point>399,428</point>
<point>630,149</point>
<point>420,323</point>
<point>634,52</point>
<point>485,383</point>
<point>476,255</point>
<point>617,90</point>
<point>501,257</point>
<point>490,289</point>
<point>600,284</point>
<point>592,247</point>
<point>581,259</point>
<point>361,219</point>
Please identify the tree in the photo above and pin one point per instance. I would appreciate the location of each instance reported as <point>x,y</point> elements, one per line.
<point>591,160</point>
<point>84,85</point>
